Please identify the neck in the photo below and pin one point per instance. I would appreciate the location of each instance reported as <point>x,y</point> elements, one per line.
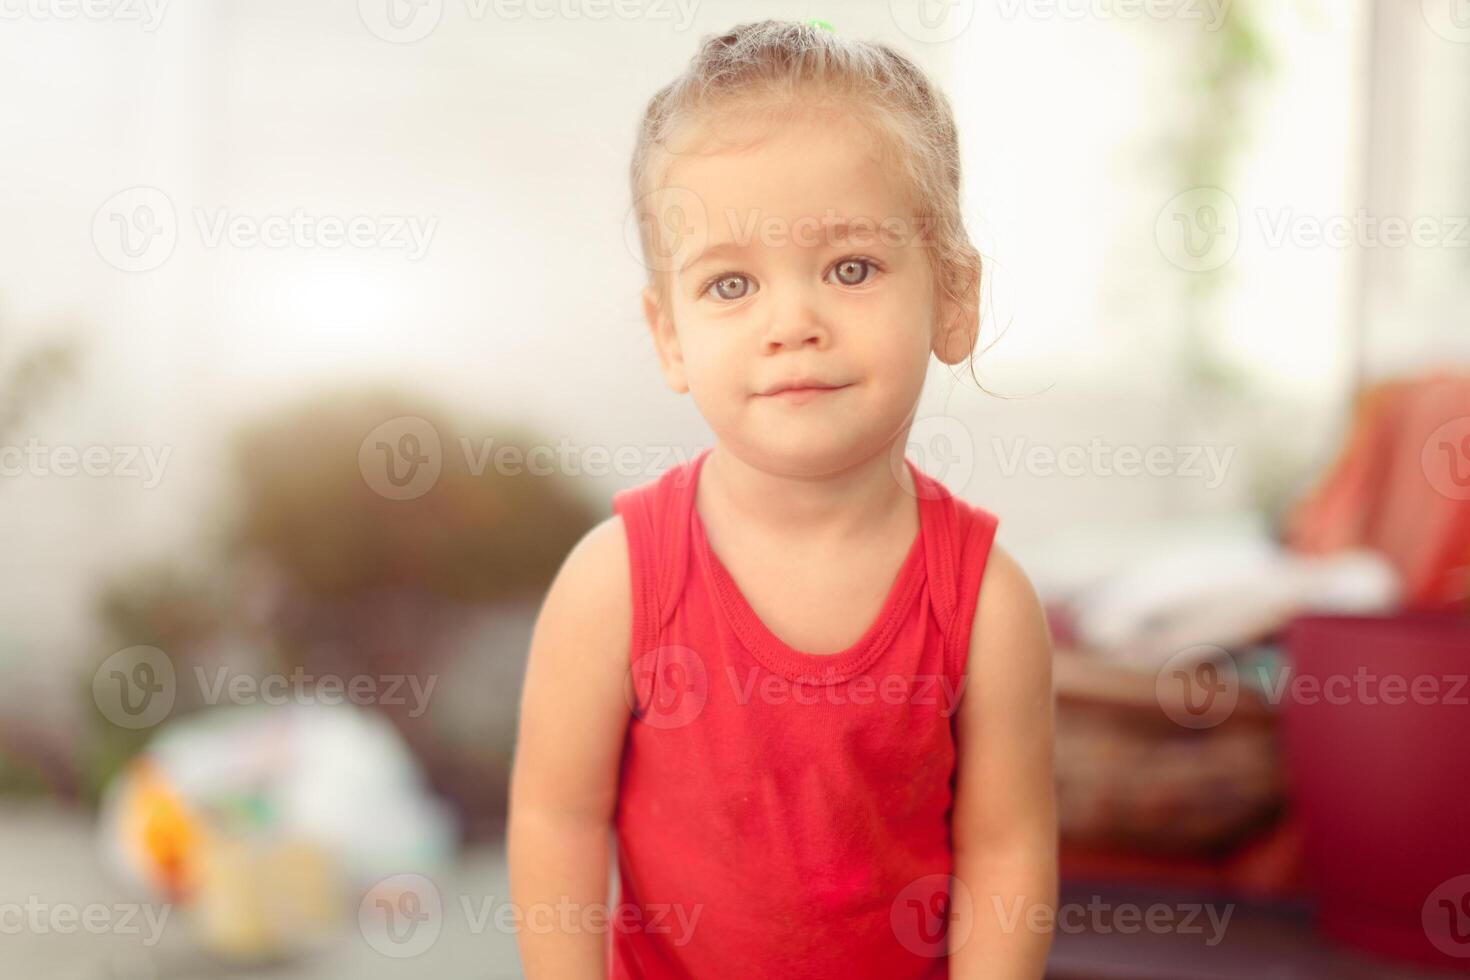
<point>820,509</point>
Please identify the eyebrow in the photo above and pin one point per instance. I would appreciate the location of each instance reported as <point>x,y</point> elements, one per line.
<point>827,233</point>
<point>716,251</point>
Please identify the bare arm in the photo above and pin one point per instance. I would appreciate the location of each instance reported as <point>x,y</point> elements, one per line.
<point>1005,824</point>
<point>563,787</point>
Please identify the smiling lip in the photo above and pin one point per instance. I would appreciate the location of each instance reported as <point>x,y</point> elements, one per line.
<point>800,382</point>
<point>801,394</point>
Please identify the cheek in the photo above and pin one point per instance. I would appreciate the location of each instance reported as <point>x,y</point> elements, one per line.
<point>707,358</point>
<point>712,367</point>
<point>903,333</point>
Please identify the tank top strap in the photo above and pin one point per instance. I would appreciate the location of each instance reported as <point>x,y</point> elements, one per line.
<point>656,521</point>
<point>956,553</point>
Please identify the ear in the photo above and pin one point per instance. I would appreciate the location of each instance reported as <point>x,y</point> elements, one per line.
<point>957,321</point>
<point>665,341</point>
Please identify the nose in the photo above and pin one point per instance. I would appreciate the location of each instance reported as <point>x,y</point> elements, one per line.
<point>796,322</point>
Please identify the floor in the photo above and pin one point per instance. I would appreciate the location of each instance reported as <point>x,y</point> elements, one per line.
<point>51,857</point>
<point>1258,941</point>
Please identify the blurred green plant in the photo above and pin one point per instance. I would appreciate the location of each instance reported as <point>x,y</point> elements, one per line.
<point>1230,67</point>
<point>31,378</point>
<point>35,375</point>
<point>310,567</point>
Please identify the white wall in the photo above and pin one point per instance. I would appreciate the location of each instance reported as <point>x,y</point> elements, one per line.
<point>514,136</point>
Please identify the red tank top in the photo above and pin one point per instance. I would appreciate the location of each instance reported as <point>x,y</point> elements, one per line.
<point>782,813</point>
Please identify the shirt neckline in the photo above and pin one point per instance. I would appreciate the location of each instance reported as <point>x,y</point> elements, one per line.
<point>773,652</point>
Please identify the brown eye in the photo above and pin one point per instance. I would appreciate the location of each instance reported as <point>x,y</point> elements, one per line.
<point>731,287</point>
<point>852,272</point>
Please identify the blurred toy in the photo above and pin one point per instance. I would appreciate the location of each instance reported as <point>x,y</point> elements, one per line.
<point>266,824</point>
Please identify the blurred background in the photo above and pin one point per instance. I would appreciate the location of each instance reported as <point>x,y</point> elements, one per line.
<point>320,347</point>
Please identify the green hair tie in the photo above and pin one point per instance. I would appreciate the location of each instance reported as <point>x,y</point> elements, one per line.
<point>821,25</point>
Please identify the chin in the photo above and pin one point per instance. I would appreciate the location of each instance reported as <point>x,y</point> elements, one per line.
<point>806,454</point>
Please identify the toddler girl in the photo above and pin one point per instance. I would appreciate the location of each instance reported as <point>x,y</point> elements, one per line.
<point>824,750</point>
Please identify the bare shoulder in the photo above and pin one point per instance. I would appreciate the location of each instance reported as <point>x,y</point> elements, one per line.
<point>1010,644</point>
<point>587,614</point>
<point>1005,721</point>
<point>573,710</point>
<point>599,560</point>
<point>1008,609</point>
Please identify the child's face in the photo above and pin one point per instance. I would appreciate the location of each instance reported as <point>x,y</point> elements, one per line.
<point>774,292</point>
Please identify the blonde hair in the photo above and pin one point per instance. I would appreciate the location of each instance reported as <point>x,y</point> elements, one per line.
<point>778,66</point>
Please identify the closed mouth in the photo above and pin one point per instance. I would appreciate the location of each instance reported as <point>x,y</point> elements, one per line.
<point>795,389</point>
